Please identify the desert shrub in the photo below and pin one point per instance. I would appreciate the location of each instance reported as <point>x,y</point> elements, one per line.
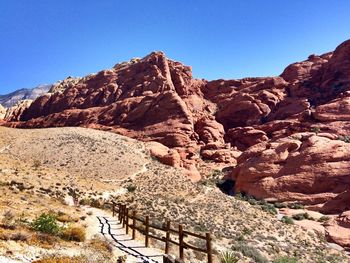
<point>42,240</point>
<point>296,206</point>
<point>8,220</point>
<point>200,228</point>
<point>324,219</point>
<point>316,129</point>
<point>301,216</point>
<point>46,223</point>
<point>287,220</point>
<point>285,259</point>
<point>85,201</point>
<point>131,188</point>
<point>228,257</point>
<point>96,203</point>
<point>100,245</point>
<point>74,233</point>
<point>269,208</point>
<point>36,164</point>
<point>19,236</point>
<point>344,138</point>
<point>250,252</point>
<point>280,205</point>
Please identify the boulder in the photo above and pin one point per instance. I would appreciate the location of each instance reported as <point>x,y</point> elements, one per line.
<point>307,168</point>
<point>338,230</point>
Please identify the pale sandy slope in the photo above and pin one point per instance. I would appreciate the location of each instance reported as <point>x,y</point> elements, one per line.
<point>101,164</point>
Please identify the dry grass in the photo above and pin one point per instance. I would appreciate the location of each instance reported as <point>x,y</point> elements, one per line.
<point>54,259</point>
<point>100,245</point>
<point>43,240</point>
<point>64,218</point>
<point>74,233</point>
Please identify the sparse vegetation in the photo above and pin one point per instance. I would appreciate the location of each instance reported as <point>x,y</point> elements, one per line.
<point>316,129</point>
<point>62,259</point>
<point>269,208</point>
<point>46,223</point>
<point>74,233</point>
<point>285,259</point>
<point>295,206</point>
<point>287,220</point>
<point>250,252</point>
<point>8,220</point>
<point>301,216</point>
<point>131,188</point>
<point>228,257</point>
<point>36,163</point>
<point>323,219</point>
<point>344,138</point>
<point>64,218</point>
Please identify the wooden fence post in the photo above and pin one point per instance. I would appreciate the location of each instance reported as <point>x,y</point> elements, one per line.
<point>133,224</point>
<point>167,237</point>
<point>119,212</point>
<point>181,242</point>
<point>127,220</point>
<point>124,210</point>
<point>113,209</point>
<point>209,249</point>
<point>146,230</point>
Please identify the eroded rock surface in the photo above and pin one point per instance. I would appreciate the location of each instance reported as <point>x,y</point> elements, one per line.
<point>288,134</point>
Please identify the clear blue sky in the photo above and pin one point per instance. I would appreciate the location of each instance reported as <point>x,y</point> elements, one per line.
<point>42,41</point>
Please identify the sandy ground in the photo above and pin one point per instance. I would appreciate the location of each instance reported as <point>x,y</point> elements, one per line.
<point>40,167</point>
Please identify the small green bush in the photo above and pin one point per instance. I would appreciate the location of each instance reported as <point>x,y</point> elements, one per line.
<point>296,206</point>
<point>301,216</point>
<point>285,259</point>
<point>280,205</point>
<point>46,223</point>
<point>228,257</point>
<point>131,188</point>
<point>287,220</point>
<point>323,219</point>
<point>250,252</point>
<point>269,208</point>
<point>316,129</point>
<point>344,138</point>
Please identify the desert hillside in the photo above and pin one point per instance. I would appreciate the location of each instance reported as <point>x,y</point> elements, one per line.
<point>42,168</point>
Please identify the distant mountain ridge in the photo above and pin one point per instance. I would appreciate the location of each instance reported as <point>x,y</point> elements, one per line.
<point>11,99</point>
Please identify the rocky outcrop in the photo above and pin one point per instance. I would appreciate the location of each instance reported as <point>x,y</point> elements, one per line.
<point>283,133</point>
<point>15,112</point>
<point>62,85</point>
<point>338,230</point>
<point>307,168</point>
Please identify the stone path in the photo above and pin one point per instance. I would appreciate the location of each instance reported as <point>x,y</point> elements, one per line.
<point>136,251</point>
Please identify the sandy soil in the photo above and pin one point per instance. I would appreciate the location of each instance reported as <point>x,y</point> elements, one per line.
<point>40,168</point>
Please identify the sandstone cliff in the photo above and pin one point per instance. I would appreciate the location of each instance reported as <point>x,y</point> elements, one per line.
<point>286,134</point>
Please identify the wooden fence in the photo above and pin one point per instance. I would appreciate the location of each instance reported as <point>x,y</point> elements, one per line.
<point>128,219</point>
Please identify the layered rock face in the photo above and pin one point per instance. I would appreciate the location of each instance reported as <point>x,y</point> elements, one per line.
<point>285,135</point>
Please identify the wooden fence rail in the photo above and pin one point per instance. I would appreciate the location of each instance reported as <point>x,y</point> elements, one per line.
<point>124,216</point>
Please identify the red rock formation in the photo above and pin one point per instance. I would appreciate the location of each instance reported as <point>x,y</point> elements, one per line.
<point>14,113</point>
<point>310,169</point>
<point>338,230</point>
<point>273,120</point>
